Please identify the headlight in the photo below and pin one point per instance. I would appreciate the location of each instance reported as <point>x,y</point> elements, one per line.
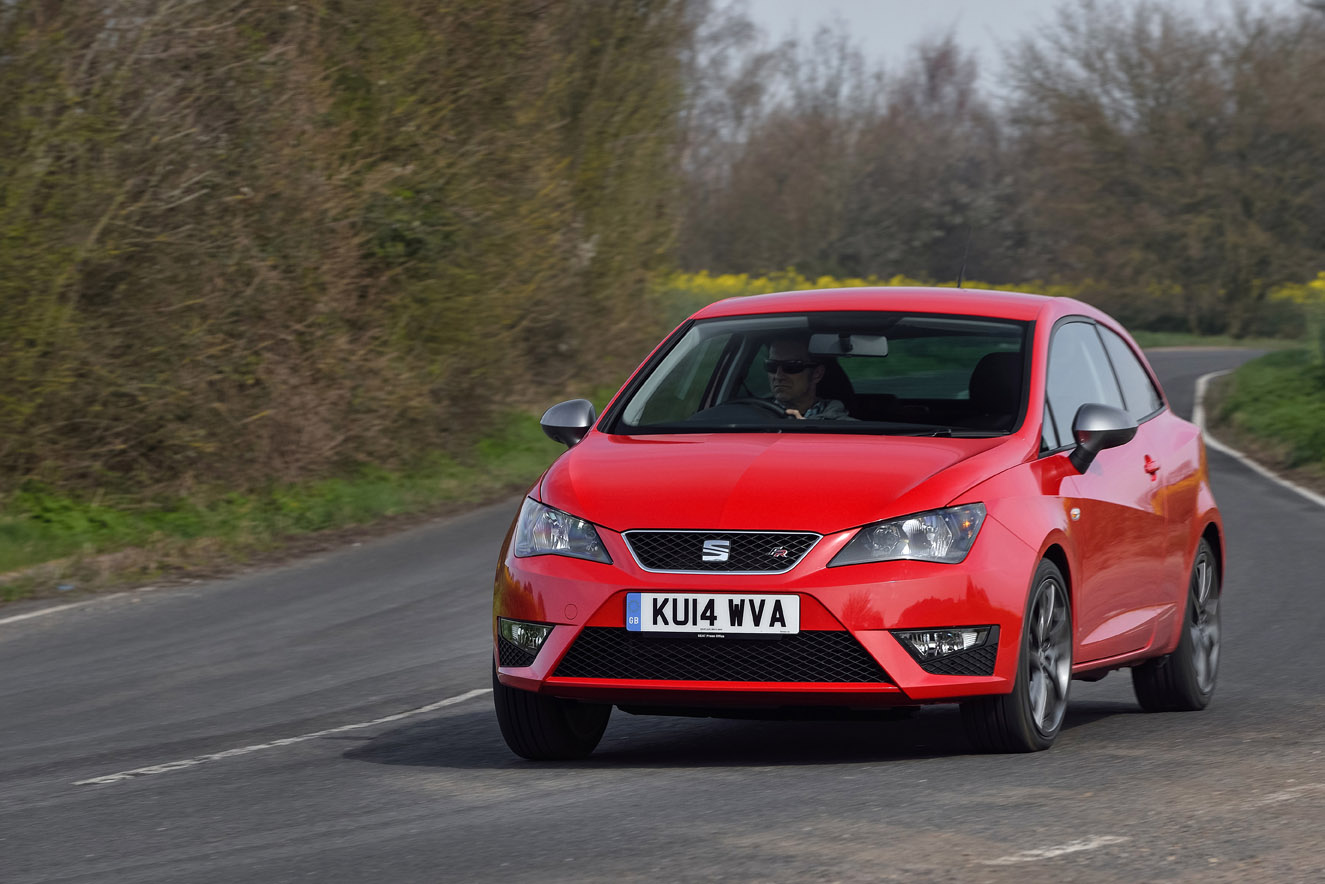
<point>936,536</point>
<point>542,531</point>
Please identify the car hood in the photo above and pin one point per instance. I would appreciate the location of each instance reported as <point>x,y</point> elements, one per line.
<point>765,481</point>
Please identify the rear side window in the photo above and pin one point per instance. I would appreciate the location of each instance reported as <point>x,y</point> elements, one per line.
<point>1079,373</point>
<point>1139,393</point>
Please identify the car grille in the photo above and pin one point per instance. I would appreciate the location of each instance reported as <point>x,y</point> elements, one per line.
<point>511,654</point>
<point>977,661</point>
<point>747,551</point>
<point>822,656</point>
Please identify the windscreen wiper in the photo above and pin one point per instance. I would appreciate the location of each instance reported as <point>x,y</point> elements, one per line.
<point>949,432</point>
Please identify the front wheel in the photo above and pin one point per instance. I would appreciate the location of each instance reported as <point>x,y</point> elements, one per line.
<point>1184,681</point>
<point>1029,718</point>
<point>547,728</point>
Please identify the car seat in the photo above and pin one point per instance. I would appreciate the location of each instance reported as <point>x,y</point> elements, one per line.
<point>995,390</point>
<point>836,385</point>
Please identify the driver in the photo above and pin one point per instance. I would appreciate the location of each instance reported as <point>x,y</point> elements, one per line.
<point>794,377</point>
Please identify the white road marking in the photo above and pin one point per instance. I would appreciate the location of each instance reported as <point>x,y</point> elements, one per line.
<point>1292,793</point>
<point>245,750</point>
<point>103,598</point>
<point>44,611</point>
<point>1198,418</point>
<point>1037,854</point>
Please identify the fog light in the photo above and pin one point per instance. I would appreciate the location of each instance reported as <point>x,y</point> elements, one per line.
<point>931,644</point>
<point>525,636</point>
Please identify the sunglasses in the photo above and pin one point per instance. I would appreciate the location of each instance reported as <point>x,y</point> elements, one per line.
<point>789,366</point>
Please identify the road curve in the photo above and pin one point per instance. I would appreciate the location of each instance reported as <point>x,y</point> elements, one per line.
<point>327,721</point>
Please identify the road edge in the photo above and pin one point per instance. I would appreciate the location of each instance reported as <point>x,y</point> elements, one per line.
<point>372,535</point>
<point>1198,418</point>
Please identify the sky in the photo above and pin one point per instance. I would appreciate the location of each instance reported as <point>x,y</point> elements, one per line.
<point>885,29</point>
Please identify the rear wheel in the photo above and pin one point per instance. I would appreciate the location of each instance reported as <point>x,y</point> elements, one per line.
<point>1184,681</point>
<point>547,728</point>
<point>1029,718</point>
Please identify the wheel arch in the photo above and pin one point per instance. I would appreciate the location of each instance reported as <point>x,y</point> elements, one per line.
<point>1212,535</point>
<point>1058,556</point>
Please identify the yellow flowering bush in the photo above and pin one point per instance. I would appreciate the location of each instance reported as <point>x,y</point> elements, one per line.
<point>1305,293</point>
<point>680,294</point>
<point>687,292</point>
<point>1310,296</point>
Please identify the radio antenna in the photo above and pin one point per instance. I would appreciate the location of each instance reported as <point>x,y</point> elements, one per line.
<point>966,250</point>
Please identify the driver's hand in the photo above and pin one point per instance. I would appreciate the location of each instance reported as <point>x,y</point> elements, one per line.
<point>796,414</point>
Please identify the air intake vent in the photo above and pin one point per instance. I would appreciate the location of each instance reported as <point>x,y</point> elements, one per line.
<point>977,661</point>
<point>609,652</point>
<point>511,654</point>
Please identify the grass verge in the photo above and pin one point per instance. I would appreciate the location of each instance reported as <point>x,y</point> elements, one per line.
<point>1273,408</point>
<point>51,544</point>
<point>1148,339</point>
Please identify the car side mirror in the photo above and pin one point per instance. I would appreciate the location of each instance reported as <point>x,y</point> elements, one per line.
<point>568,422</point>
<point>1097,427</point>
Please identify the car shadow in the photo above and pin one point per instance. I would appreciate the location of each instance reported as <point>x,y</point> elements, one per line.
<point>471,740</point>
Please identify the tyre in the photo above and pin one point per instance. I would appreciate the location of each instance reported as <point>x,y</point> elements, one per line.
<point>547,728</point>
<point>1184,681</point>
<point>1029,718</point>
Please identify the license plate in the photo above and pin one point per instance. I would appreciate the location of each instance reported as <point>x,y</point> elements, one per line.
<point>721,614</point>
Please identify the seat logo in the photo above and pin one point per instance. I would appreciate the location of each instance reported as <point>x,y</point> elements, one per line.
<point>717,550</point>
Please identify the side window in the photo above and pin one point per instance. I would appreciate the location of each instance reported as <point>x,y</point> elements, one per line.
<point>1140,394</point>
<point>1079,372</point>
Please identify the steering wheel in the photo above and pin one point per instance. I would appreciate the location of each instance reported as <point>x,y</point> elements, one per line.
<point>765,404</point>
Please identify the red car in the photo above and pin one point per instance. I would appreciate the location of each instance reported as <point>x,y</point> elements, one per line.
<point>855,499</point>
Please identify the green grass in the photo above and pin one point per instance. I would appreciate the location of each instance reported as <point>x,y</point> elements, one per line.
<point>39,525</point>
<point>1278,402</point>
<point>1148,339</point>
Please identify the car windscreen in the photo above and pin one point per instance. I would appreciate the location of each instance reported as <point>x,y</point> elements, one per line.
<point>829,372</point>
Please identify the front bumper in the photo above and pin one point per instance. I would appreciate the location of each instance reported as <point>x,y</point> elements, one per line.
<point>847,615</point>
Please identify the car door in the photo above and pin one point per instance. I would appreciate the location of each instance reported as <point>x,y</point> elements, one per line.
<point>1172,460</point>
<point>1115,516</point>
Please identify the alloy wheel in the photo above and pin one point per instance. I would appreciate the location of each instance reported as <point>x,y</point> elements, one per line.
<point>1050,657</point>
<point>1203,623</point>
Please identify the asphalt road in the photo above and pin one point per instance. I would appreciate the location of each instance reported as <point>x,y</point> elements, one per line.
<point>182,703</point>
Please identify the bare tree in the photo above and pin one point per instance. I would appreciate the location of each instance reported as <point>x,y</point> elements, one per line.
<point>838,169</point>
<point>931,177</point>
<point>1172,158</point>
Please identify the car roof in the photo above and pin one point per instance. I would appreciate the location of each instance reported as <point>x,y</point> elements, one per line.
<point>968,302</point>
